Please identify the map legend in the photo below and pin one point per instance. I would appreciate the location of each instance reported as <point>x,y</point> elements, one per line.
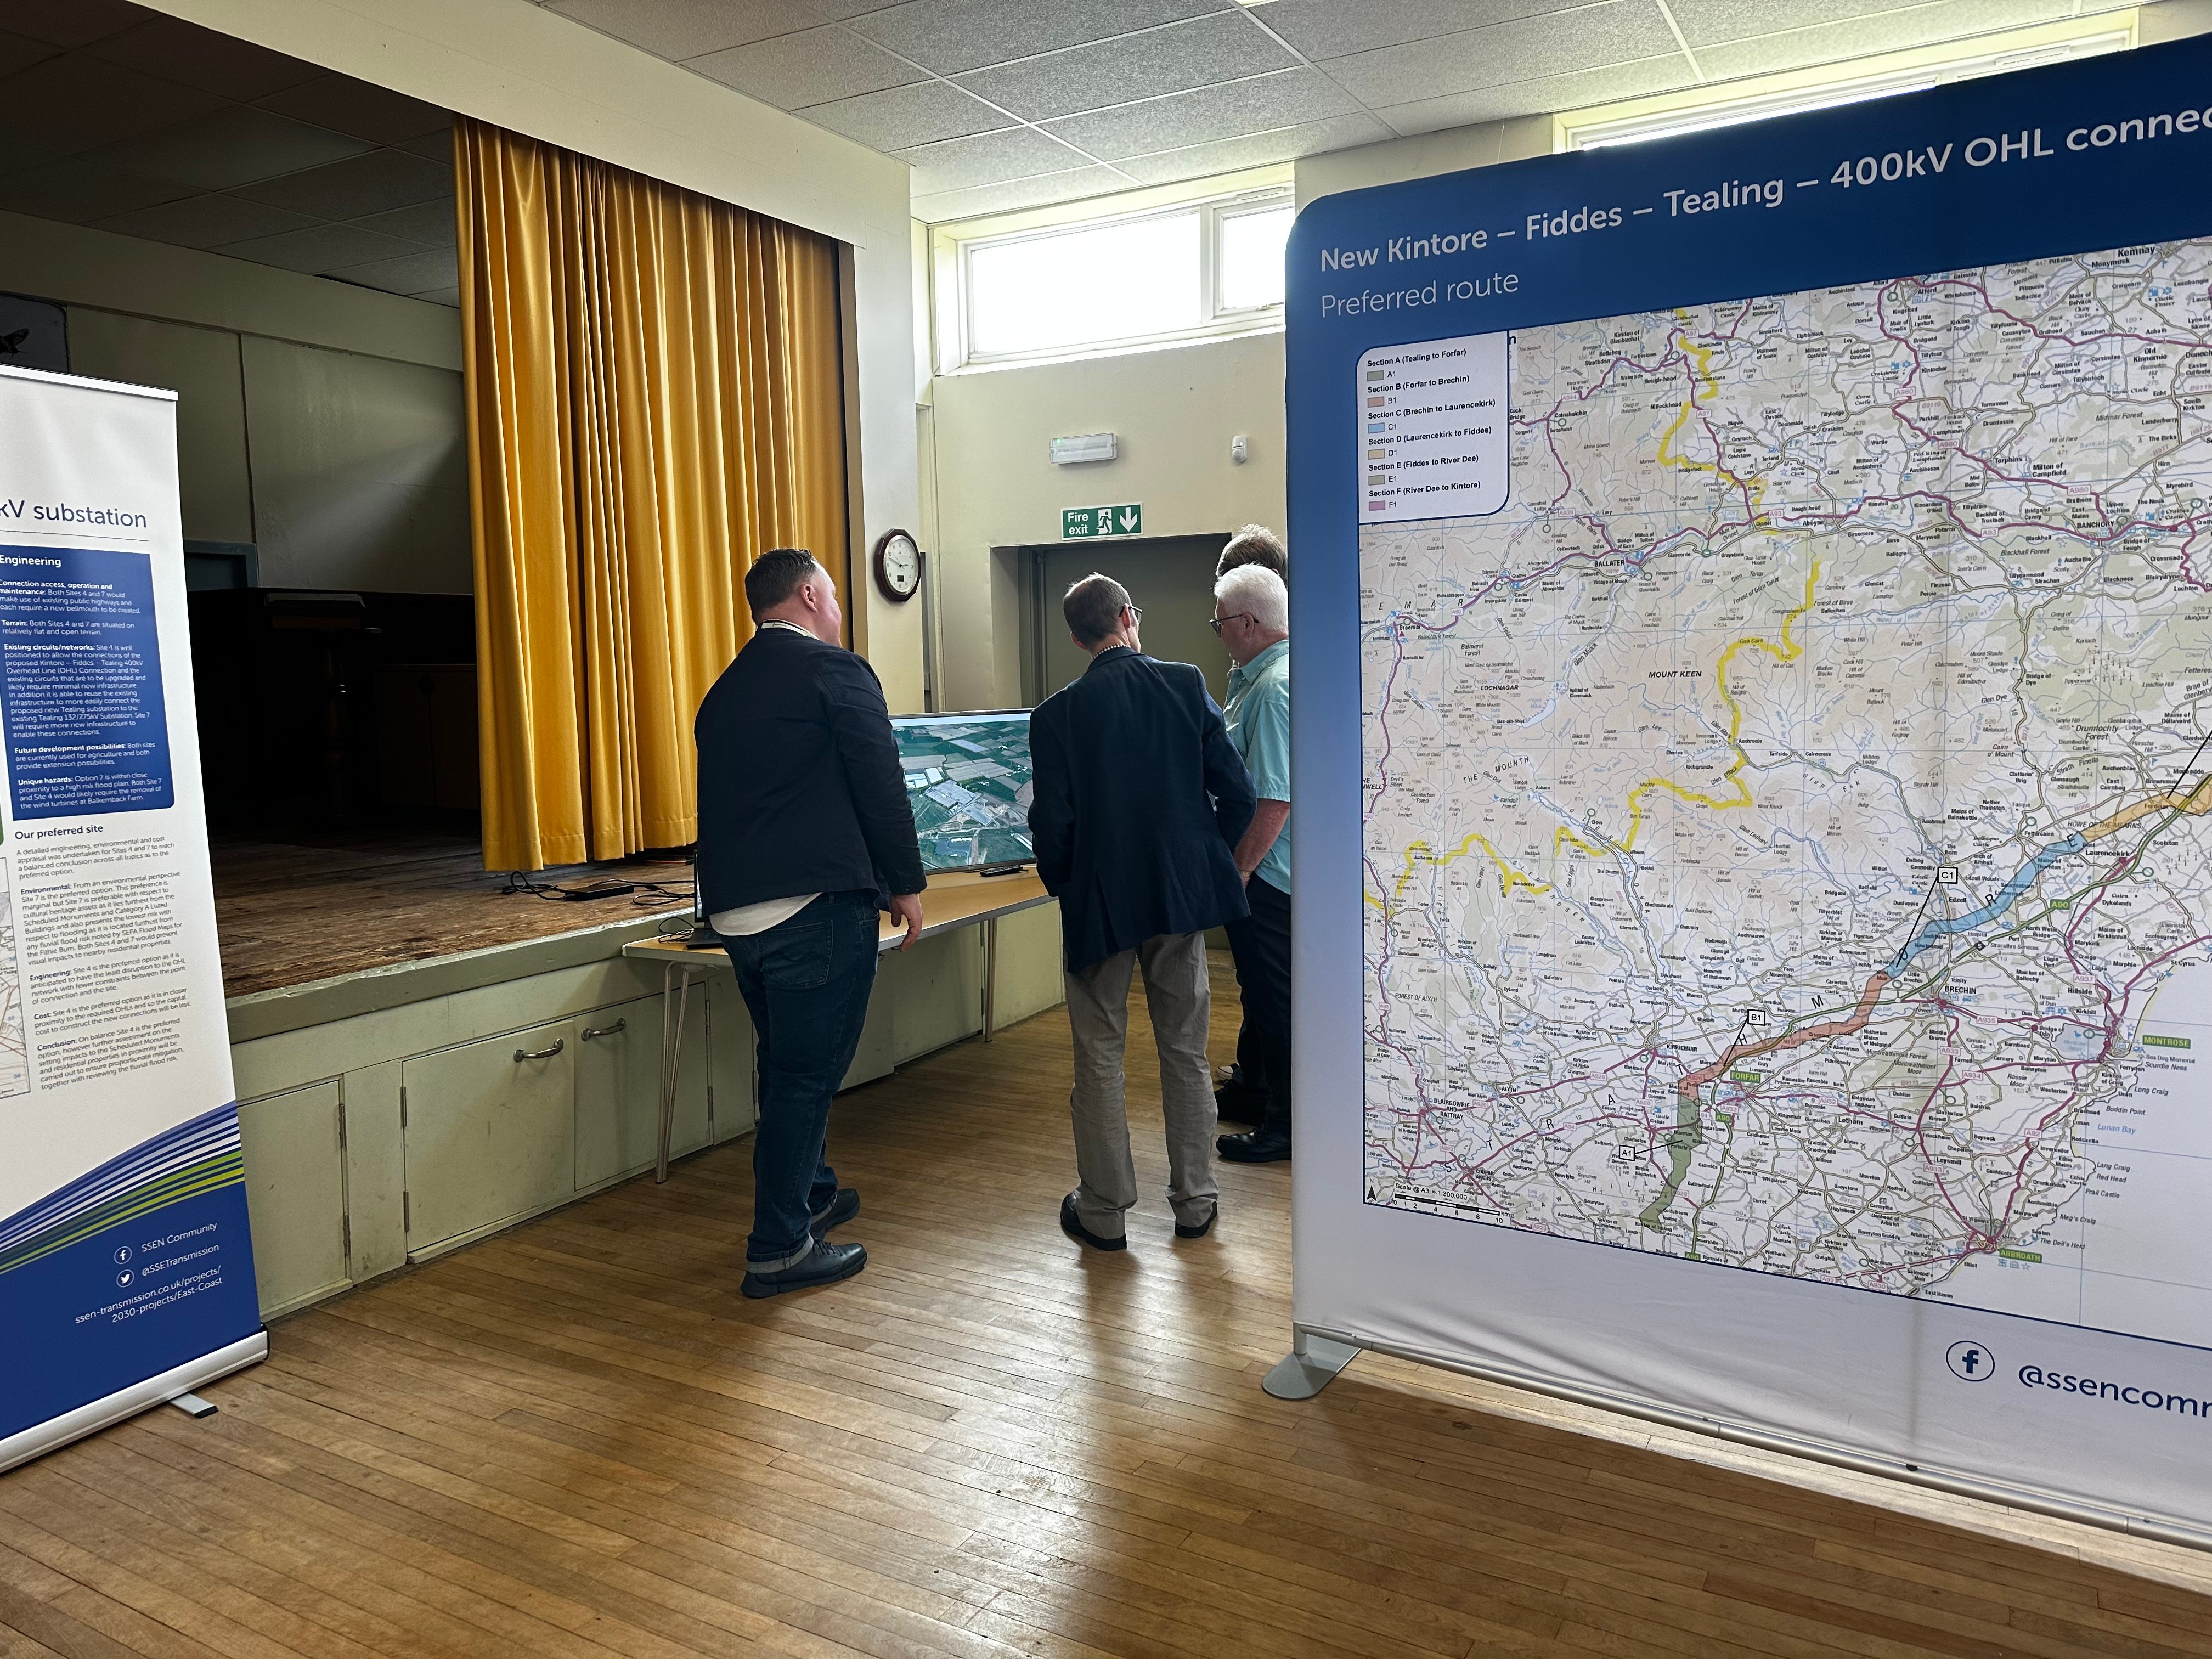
<point>1431,429</point>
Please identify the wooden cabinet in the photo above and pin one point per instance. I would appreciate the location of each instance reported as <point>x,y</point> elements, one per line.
<point>618,1089</point>
<point>490,1131</point>
<point>295,1195</point>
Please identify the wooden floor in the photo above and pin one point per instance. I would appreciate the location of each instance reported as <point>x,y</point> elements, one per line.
<point>578,1440</point>
<point>310,907</point>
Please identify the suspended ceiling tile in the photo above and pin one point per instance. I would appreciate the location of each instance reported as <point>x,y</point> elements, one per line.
<point>1330,28</point>
<point>436,146</point>
<point>949,36</point>
<point>362,110</point>
<point>410,273</point>
<point>441,296</point>
<point>990,159</point>
<point>1889,31</point>
<point>431,223</point>
<point>70,22</point>
<point>1592,37</point>
<point>815,66</point>
<point>19,51</point>
<point>185,52</point>
<point>73,102</point>
<point>1258,150</point>
<point>78,190</point>
<point>677,30</point>
<point>207,220</point>
<point>1199,53</point>
<point>1292,98</point>
<point>1545,96</point>
<point>375,183</point>
<point>1709,22</point>
<point>234,145</point>
<point>1070,187</point>
<point>319,248</point>
<point>926,112</point>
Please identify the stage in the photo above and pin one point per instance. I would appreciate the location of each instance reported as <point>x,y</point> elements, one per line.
<point>422,1059</point>
<point>297,908</point>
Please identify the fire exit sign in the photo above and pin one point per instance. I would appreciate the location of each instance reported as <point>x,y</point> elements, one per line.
<point>1083,523</point>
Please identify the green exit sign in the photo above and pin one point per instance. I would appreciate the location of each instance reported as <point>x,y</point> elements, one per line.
<point>1083,523</point>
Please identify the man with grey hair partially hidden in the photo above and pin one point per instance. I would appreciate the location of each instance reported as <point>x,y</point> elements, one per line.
<point>1139,798</point>
<point>1252,615</point>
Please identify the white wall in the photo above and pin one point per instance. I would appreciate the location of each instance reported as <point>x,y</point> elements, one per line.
<point>995,486</point>
<point>536,72</point>
<point>360,469</point>
<point>320,421</point>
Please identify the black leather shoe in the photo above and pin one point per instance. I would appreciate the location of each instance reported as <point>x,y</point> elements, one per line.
<point>1233,1104</point>
<point>825,1264</point>
<point>843,1209</point>
<point>1260,1146</point>
<point>1203,1227</point>
<point>1076,1230</point>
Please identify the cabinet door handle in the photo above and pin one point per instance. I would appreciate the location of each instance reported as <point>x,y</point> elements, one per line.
<point>521,1054</point>
<point>620,1026</point>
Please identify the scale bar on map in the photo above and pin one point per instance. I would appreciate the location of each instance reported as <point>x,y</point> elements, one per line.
<point>1433,429</point>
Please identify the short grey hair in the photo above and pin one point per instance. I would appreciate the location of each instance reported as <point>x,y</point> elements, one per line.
<point>1254,544</point>
<point>1093,608</point>
<point>1255,590</point>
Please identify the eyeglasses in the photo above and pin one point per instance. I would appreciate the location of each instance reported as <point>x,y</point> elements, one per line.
<point>1136,613</point>
<point>1220,622</point>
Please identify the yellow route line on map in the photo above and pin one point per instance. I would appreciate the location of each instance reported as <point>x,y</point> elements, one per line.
<point>1508,877</point>
<point>1702,369</point>
<point>1789,651</point>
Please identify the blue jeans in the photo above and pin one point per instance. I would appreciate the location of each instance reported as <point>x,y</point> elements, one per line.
<point>806,981</point>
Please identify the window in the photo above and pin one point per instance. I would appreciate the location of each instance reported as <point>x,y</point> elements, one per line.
<point>1670,115</point>
<point>1189,270</point>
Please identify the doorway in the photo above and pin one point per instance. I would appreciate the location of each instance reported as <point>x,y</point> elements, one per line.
<point>1169,578</point>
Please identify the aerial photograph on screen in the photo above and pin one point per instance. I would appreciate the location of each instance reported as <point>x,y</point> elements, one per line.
<point>1786,833</point>
<point>968,779</point>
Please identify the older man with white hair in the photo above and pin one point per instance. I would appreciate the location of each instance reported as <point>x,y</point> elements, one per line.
<point>1252,615</point>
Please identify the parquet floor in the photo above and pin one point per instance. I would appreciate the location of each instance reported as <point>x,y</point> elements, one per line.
<point>576,1440</point>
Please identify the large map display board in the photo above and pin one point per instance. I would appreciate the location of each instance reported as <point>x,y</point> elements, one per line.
<point>1774,768</point>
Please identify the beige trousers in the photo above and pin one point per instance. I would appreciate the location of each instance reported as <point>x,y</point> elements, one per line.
<point>1180,997</point>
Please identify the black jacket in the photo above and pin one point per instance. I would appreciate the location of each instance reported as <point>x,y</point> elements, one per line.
<point>800,789</point>
<point>1140,800</point>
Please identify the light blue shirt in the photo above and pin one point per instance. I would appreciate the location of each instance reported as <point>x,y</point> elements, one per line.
<point>1259,718</point>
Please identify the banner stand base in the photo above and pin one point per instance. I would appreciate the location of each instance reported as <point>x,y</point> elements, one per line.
<point>42,1437</point>
<point>2164,1530</point>
<point>1310,1366</point>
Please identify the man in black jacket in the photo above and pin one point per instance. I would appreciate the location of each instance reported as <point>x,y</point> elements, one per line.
<point>1139,797</point>
<point>805,835</point>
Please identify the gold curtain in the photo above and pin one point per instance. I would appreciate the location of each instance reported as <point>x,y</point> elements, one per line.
<point>655,397</point>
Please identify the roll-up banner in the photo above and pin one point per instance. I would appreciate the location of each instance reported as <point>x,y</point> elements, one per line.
<point>126,1273</point>
<point>1753,600</point>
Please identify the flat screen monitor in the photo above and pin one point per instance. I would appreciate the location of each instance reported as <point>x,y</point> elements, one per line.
<point>967,779</point>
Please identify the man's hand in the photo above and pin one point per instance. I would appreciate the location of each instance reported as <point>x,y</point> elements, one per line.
<point>1269,818</point>
<point>907,907</point>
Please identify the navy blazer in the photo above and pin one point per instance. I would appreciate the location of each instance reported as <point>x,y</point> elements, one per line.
<point>800,789</point>
<point>1140,800</point>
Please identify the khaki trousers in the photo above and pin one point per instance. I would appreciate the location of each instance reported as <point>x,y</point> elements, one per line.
<point>1180,997</point>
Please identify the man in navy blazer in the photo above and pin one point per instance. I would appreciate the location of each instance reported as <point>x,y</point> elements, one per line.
<point>1139,799</point>
<point>805,835</point>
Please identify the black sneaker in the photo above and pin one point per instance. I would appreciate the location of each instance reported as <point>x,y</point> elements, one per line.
<point>825,1264</point>
<point>841,1209</point>
<point>1260,1146</point>
<point>1203,1227</point>
<point>1075,1229</point>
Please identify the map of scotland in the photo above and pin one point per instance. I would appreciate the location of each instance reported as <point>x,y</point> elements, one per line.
<point>1788,817</point>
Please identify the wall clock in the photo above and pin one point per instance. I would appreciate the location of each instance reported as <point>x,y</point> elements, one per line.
<point>899,566</point>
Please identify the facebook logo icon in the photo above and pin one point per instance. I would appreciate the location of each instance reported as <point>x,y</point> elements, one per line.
<point>1970,1362</point>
